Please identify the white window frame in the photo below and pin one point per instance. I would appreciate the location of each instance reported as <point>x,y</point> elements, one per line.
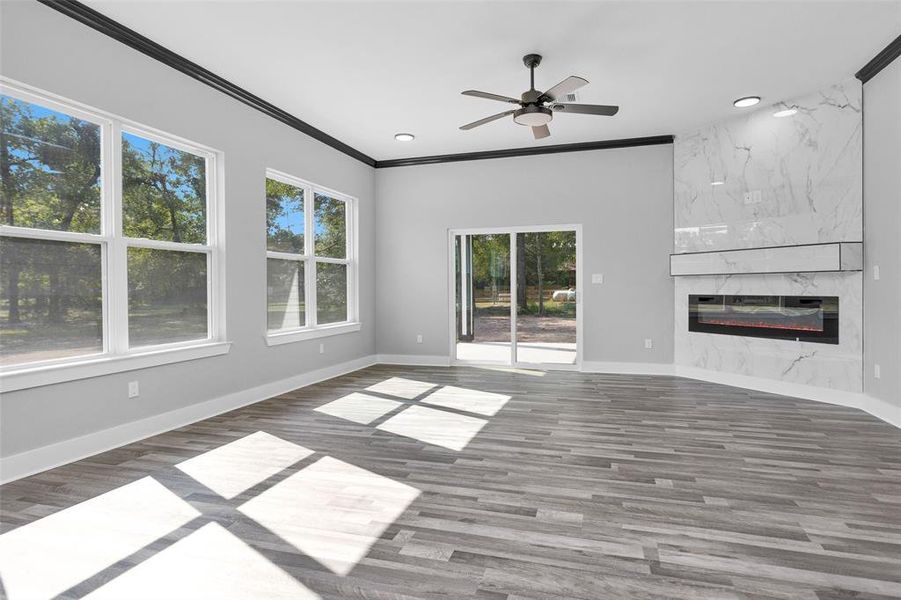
<point>116,355</point>
<point>312,329</point>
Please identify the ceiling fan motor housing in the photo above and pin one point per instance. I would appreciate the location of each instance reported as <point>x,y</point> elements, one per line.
<point>533,116</point>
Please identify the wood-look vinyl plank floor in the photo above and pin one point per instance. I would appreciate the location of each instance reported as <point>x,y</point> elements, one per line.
<point>522,487</point>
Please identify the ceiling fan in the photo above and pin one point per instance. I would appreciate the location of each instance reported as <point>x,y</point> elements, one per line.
<point>538,108</point>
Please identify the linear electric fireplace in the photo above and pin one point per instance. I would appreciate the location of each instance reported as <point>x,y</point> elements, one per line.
<point>801,318</point>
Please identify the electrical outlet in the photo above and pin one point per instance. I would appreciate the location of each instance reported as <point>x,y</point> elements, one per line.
<point>876,272</point>
<point>597,278</point>
<point>133,390</point>
<point>877,372</point>
<point>419,338</point>
<point>321,348</point>
<point>648,343</point>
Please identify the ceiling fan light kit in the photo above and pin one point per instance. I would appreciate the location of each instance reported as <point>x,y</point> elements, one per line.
<point>533,116</point>
<point>537,108</point>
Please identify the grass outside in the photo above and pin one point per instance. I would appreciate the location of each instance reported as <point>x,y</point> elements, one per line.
<point>566,310</point>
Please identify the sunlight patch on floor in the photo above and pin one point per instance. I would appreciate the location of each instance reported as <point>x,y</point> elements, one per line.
<point>431,426</point>
<point>48,556</point>
<point>331,510</point>
<point>474,401</point>
<point>240,465</point>
<point>359,408</point>
<point>208,563</point>
<point>402,388</point>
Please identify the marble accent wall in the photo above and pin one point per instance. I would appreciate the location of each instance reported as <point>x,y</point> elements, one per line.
<point>785,181</point>
<point>824,365</point>
<point>803,172</point>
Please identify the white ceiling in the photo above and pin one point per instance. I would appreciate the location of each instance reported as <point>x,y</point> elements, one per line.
<point>363,71</point>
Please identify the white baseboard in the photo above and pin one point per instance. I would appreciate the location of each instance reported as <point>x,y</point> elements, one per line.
<point>413,360</point>
<point>880,409</point>
<point>883,409</point>
<point>40,459</point>
<point>627,368</point>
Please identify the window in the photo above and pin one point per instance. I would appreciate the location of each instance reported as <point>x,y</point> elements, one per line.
<point>311,272</point>
<point>107,237</point>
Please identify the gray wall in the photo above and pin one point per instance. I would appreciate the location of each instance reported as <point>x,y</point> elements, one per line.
<point>623,198</point>
<point>882,233</point>
<point>45,49</point>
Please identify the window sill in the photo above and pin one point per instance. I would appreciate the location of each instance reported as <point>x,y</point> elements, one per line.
<point>299,335</point>
<point>38,376</point>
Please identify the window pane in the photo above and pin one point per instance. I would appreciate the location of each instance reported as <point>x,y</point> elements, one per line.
<point>50,300</point>
<point>284,217</point>
<point>331,227</point>
<point>50,169</point>
<point>285,294</point>
<point>163,192</point>
<point>167,296</point>
<point>331,293</point>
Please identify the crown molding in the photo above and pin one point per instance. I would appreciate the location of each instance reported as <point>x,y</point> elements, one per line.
<point>880,61</point>
<point>107,26</point>
<point>556,149</point>
<point>119,32</point>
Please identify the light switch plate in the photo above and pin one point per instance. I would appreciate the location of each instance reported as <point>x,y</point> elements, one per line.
<point>133,389</point>
<point>597,278</point>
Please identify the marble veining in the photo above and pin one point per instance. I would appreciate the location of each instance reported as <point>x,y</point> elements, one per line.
<point>824,365</point>
<point>802,175</point>
<point>843,256</point>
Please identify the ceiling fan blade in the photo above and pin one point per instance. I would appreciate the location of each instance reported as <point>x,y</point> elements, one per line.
<point>541,132</point>
<point>490,96</point>
<point>586,109</point>
<point>567,86</point>
<point>475,124</point>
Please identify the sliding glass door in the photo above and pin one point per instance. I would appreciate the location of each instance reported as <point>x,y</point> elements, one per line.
<point>515,297</point>
<point>484,318</point>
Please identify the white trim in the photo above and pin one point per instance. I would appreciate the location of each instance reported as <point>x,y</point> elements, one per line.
<point>286,256</point>
<point>880,409</point>
<point>114,251</point>
<point>310,260</point>
<point>51,235</point>
<point>451,291</point>
<point>627,368</point>
<point>333,261</point>
<point>414,360</point>
<point>115,290</point>
<point>166,245</point>
<point>277,338</point>
<point>97,365</point>
<point>40,459</point>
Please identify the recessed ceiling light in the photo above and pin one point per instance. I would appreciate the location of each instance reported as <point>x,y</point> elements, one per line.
<point>404,137</point>
<point>717,182</point>
<point>746,101</point>
<point>785,113</point>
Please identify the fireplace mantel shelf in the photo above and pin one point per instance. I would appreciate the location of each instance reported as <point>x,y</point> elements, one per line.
<point>807,258</point>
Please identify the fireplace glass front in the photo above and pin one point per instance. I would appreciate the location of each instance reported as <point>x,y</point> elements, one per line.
<point>800,318</point>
